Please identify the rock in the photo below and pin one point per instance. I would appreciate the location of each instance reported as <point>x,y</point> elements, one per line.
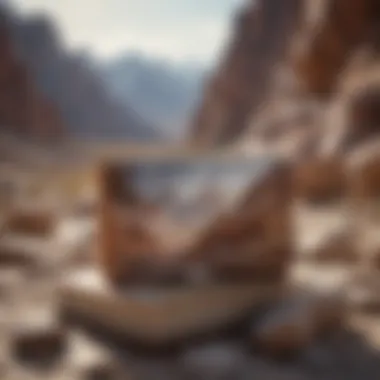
<point>119,234</point>
<point>376,258</point>
<point>297,323</point>
<point>320,180</point>
<point>364,114</point>
<point>253,242</point>
<point>31,222</point>
<point>364,172</point>
<point>88,298</point>
<point>22,108</point>
<point>89,361</point>
<point>38,340</point>
<point>315,40</point>
<point>239,87</point>
<point>363,293</point>
<point>339,248</point>
<point>11,257</point>
<point>329,40</point>
<point>223,361</point>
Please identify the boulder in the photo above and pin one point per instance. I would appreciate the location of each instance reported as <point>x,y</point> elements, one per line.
<point>158,316</point>
<point>296,323</point>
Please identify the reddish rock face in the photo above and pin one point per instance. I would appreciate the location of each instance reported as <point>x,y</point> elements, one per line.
<point>254,242</point>
<point>22,109</point>
<point>319,180</point>
<point>239,86</point>
<point>365,114</point>
<point>330,43</point>
<point>314,40</point>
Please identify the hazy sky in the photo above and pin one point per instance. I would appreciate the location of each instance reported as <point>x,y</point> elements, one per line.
<point>186,30</point>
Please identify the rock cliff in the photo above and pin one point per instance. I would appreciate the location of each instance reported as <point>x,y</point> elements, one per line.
<point>67,80</point>
<point>287,71</point>
<point>23,108</point>
<point>239,86</point>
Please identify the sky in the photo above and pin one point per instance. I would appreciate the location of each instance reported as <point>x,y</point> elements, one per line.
<point>177,30</point>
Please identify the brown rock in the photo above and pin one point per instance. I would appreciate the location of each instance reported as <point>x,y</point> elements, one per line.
<point>363,294</point>
<point>11,257</point>
<point>253,242</point>
<point>364,172</point>
<point>89,361</point>
<point>376,258</point>
<point>262,31</point>
<point>315,39</point>
<point>339,248</point>
<point>297,323</point>
<point>38,340</point>
<point>320,180</point>
<point>31,222</point>
<point>364,114</point>
<point>22,109</point>
<point>328,45</point>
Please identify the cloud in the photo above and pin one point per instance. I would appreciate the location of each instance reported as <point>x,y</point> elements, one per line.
<point>176,29</point>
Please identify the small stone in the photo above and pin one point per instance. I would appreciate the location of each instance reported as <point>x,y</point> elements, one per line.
<point>38,340</point>
<point>11,257</point>
<point>91,361</point>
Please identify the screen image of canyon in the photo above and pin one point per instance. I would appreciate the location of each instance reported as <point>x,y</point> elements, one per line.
<point>190,189</point>
<point>183,197</point>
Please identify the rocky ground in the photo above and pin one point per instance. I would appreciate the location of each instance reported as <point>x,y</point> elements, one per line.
<point>334,336</point>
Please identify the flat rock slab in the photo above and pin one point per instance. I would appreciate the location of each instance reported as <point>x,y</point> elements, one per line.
<point>155,316</point>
